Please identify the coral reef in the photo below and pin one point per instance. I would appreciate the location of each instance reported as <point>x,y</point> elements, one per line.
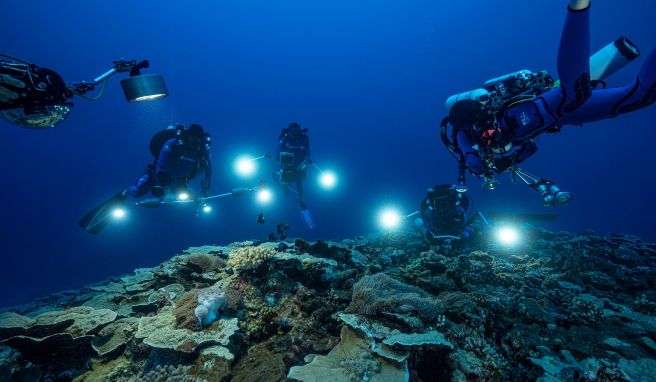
<point>170,374</point>
<point>562,307</point>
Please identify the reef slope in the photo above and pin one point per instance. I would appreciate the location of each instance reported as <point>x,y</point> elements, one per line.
<point>561,307</point>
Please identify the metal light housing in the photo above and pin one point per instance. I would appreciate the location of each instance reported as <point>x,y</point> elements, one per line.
<point>144,87</point>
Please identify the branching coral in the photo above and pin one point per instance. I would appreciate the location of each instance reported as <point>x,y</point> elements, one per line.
<point>247,258</point>
<point>379,293</point>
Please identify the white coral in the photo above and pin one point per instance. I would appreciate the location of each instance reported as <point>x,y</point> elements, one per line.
<point>209,305</point>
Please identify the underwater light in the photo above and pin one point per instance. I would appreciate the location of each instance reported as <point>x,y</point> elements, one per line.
<point>390,218</point>
<point>328,180</point>
<point>183,196</point>
<point>119,213</point>
<point>144,87</point>
<point>207,208</point>
<point>264,196</point>
<point>245,166</point>
<point>508,236</point>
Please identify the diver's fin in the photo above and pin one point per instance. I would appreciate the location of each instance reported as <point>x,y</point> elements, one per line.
<point>98,218</point>
<point>308,219</point>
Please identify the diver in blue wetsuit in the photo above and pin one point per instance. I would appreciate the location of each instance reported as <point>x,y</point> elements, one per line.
<point>293,153</point>
<point>493,128</point>
<point>181,154</point>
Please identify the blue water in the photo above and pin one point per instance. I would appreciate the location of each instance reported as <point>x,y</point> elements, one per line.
<point>367,78</point>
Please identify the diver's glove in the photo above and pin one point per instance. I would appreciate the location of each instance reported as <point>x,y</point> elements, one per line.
<point>308,219</point>
<point>7,95</point>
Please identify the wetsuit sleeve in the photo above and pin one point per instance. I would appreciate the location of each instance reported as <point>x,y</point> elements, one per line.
<point>474,162</point>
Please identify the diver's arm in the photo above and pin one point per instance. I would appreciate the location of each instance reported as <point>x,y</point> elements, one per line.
<point>474,162</point>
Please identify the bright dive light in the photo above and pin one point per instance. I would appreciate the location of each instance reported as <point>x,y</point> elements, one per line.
<point>264,196</point>
<point>508,236</point>
<point>207,208</point>
<point>183,196</point>
<point>118,213</point>
<point>328,179</point>
<point>390,219</point>
<point>245,166</point>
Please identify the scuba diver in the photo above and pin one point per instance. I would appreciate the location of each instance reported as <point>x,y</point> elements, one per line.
<point>181,153</point>
<point>38,98</point>
<point>446,215</point>
<point>493,129</point>
<point>293,153</point>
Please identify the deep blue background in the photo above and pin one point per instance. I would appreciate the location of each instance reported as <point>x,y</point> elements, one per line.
<point>368,78</point>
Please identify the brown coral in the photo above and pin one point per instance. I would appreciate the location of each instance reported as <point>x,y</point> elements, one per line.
<point>205,262</point>
<point>184,310</point>
<point>379,293</point>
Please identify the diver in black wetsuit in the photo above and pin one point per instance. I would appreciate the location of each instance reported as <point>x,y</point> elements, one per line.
<point>182,153</point>
<point>293,154</point>
<point>446,215</point>
<point>493,128</point>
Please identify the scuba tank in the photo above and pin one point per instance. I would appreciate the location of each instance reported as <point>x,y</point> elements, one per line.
<point>496,92</point>
<point>612,58</point>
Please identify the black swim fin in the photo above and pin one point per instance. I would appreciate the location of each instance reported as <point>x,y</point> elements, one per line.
<point>98,218</point>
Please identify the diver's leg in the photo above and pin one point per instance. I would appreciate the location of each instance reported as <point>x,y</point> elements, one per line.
<point>643,90</point>
<point>609,103</point>
<point>573,62</point>
<point>574,58</point>
<point>299,191</point>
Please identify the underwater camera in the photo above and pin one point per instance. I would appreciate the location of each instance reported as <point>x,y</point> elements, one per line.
<point>287,161</point>
<point>43,98</point>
